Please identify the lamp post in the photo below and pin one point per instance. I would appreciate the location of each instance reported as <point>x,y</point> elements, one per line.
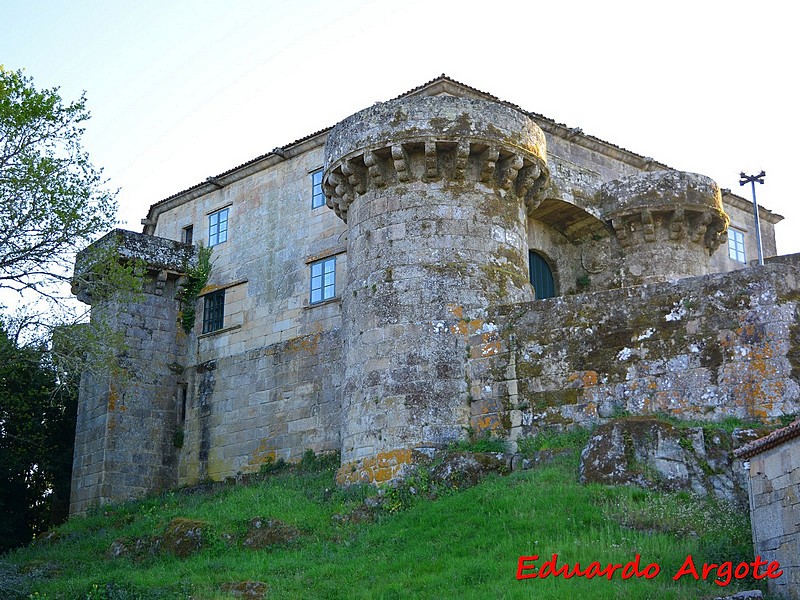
<point>751,179</point>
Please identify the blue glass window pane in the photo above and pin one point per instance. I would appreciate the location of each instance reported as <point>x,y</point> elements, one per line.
<point>218,227</point>
<point>317,196</point>
<point>323,280</point>
<point>736,245</point>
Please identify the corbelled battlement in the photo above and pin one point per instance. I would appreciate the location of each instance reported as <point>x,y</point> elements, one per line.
<point>667,222</point>
<point>429,139</point>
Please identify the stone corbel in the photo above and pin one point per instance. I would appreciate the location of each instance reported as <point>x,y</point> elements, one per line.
<point>374,169</point>
<point>509,170</point>
<point>490,156</point>
<point>431,161</point>
<point>677,225</point>
<point>701,226</point>
<point>620,226</point>
<point>648,226</point>
<point>160,282</point>
<point>462,157</point>
<point>400,158</point>
<point>354,176</point>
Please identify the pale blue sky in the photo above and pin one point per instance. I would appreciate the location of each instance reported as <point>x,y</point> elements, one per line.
<point>183,90</point>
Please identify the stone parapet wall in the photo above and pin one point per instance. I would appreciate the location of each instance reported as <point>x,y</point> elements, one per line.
<point>706,348</point>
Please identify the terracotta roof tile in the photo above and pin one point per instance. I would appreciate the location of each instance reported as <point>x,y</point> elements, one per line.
<point>775,438</point>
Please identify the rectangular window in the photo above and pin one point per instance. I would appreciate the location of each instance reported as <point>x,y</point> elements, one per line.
<point>213,311</point>
<point>217,227</point>
<point>323,280</point>
<point>187,234</point>
<point>736,245</point>
<point>317,197</point>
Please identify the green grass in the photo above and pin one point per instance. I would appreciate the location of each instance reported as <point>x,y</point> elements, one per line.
<point>464,544</point>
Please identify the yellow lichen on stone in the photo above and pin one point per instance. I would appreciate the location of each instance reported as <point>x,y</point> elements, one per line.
<point>307,344</point>
<point>456,310</point>
<point>263,455</point>
<point>380,468</point>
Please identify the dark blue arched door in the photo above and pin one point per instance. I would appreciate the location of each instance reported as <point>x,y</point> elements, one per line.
<point>541,276</point>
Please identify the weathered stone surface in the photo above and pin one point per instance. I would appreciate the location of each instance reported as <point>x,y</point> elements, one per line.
<point>128,415</point>
<point>654,454</point>
<point>252,590</point>
<point>748,595</point>
<point>361,514</point>
<point>774,472</point>
<point>135,548</point>
<point>707,348</point>
<point>435,192</point>
<point>668,223</point>
<point>184,537</point>
<point>265,533</point>
<point>465,469</point>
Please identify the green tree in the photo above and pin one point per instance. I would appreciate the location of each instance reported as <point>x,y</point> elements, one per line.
<point>53,201</point>
<point>37,425</point>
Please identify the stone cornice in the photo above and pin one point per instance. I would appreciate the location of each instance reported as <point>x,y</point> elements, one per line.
<point>430,138</point>
<point>233,175</point>
<point>767,215</point>
<point>520,174</point>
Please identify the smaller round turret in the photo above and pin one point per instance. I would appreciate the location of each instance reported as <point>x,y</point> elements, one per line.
<point>667,222</point>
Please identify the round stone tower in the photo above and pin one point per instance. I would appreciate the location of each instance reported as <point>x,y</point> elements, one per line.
<point>667,222</point>
<point>435,191</point>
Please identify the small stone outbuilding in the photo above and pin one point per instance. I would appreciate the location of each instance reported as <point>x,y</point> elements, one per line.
<point>774,465</point>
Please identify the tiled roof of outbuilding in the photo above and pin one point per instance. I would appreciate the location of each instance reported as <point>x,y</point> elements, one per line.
<point>773,439</point>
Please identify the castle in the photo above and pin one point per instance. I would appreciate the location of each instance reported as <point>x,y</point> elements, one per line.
<point>438,264</point>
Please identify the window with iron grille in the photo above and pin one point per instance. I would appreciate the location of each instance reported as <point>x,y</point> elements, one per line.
<point>323,280</point>
<point>213,311</point>
<point>217,227</point>
<point>736,245</point>
<point>317,197</point>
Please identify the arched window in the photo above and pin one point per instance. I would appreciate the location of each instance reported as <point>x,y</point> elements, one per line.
<point>541,276</point>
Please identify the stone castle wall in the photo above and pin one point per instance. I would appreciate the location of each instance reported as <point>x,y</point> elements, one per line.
<point>706,348</point>
<point>250,409</point>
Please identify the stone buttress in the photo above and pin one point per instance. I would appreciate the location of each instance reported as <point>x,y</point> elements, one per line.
<point>129,411</point>
<point>435,192</point>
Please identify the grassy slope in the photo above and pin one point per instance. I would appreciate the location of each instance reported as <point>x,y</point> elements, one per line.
<point>462,545</point>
